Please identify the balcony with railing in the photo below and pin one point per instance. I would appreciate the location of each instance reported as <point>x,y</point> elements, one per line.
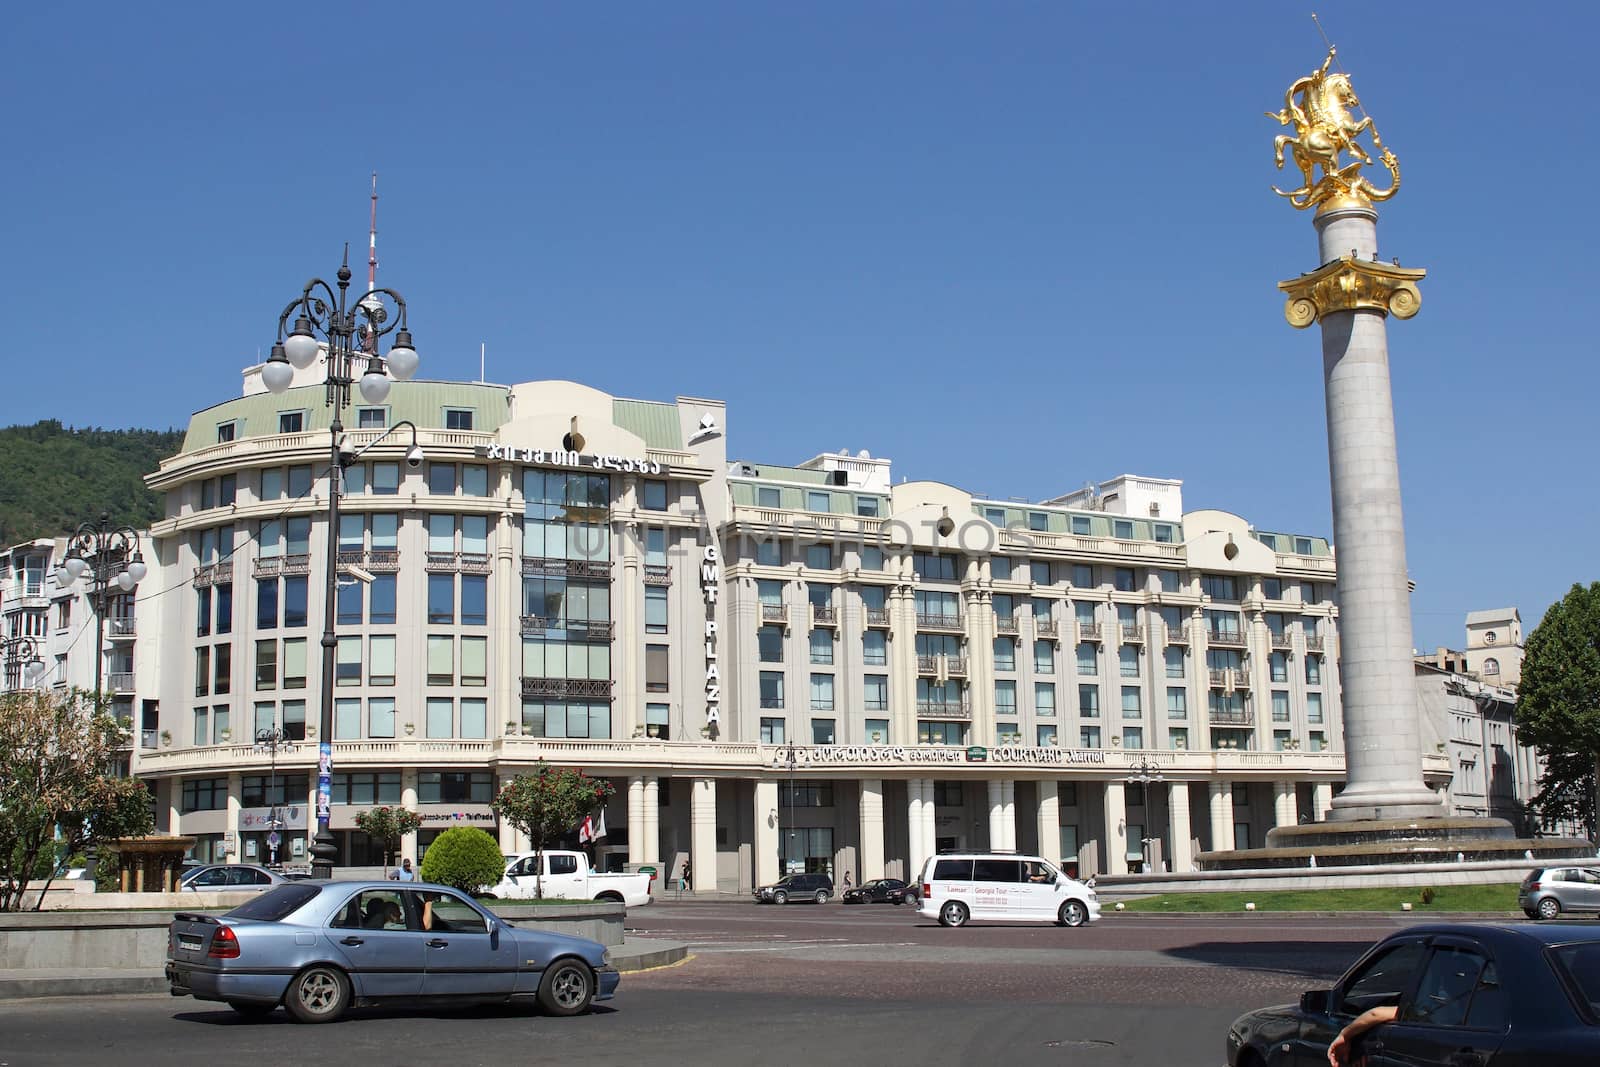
<point>1176,635</point>
<point>464,562</point>
<point>583,569</point>
<point>219,573</point>
<point>1132,633</point>
<point>1279,638</point>
<point>939,622</point>
<point>289,566</point>
<point>1232,717</point>
<point>774,613</point>
<point>1006,624</point>
<point>120,681</point>
<point>121,628</point>
<point>658,574</point>
<point>1045,627</point>
<point>1229,679</point>
<point>1226,638</point>
<point>947,666</point>
<point>576,629</point>
<point>945,709</point>
<point>877,617</point>
<point>1314,643</point>
<point>824,616</point>
<point>1088,631</point>
<point>568,688</point>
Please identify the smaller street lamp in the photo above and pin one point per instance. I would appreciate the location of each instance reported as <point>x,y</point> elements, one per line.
<point>21,652</point>
<point>270,741</point>
<point>108,557</point>
<point>790,758</point>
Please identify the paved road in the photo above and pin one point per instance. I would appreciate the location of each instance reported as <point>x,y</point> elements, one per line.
<point>844,986</point>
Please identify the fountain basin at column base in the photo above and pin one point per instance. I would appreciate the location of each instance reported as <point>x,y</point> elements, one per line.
<point>1378,842</point>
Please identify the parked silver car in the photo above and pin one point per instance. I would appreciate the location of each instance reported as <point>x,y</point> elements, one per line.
<point>230,877</point>
<point>320,947</point>
<point>1549,891</point>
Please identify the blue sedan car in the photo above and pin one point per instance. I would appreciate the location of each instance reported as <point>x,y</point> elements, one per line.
<point>320,947</point>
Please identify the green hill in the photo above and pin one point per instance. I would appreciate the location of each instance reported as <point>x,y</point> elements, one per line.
<point>54,477</point>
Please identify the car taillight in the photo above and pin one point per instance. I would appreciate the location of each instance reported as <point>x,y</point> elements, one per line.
<point>927,890</point>
<point>225,945</point>
<point>1533,887</point>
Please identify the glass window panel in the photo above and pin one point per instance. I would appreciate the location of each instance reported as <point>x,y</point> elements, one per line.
<point>267,664</point>
<point>475,534</point>
<point>474,717</point>
<point>352,531</point>
<point>294,601</point>
<point>442,479</point>
<point>381,599</point>
<point>385,530</point>
<point>346,718</point>
<point>299,481</point>
<point>474,661</point>
<point>294,663</point>
<point>474,480</point>
<point>441,660</point>
<point>441,598</point>
<point>269,538</point>
<point>385,479</point>
<point>441,717</point>
<point>381,668</point>
<point>347,661</point>
<point>441,533</point>
<point>294,720</point>
<point>875,651</point>
<point>351,601</point>
<point>1005,654</point>
<point>297,535</point>
<point>474,599</point>
<point>271,483</point>
<point>380,717</point>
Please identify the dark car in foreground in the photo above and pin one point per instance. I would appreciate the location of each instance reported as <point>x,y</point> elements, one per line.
<point>318,948</point>
<point>1548,891</point>
<point>796,887</point>
<point>877,891</point>
<point>1502,995</point>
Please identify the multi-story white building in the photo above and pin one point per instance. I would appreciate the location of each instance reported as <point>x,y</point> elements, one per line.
<point>778,667</point>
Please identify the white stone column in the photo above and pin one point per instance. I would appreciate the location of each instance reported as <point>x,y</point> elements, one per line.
<point>1048,816</point>
<point>1008,813</point>
<point>1383,754</point>
<point>1321,799</point>
<point>870,856</point>
<point>703,835</point>
<point>235,787</point>
<point>1285,810</point>
<point>916,846</point>
<point>1181,845</point>
<point>408,800</point>
<point>997,815</point>
<point>652,824</point>
<point>1116,828</point>
<point>636,820</point>
<point>1221,816</point>
<point>766,822</point>
<point>930,826</point>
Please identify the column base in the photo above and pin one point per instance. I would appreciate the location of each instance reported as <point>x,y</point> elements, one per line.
<point>1402,802</point>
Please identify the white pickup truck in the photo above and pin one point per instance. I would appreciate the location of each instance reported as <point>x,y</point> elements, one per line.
<point>567,876</point>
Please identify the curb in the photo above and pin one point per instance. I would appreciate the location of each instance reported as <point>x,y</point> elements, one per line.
<point>650,959</point>
<point>1435,916</point>
<point>90,986</point>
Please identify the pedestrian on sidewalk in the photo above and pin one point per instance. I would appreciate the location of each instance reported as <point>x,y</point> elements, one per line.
<point>683,879</point>
<point>847,879</point>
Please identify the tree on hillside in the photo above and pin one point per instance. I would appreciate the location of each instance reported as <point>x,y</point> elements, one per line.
<point>549,803</point>
<point>59,793</point>
<point>387,826</point>
<point>48,472</point>
<point>1558,705</point>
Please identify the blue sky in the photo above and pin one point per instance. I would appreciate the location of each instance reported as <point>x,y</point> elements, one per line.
<point>1012,246</point>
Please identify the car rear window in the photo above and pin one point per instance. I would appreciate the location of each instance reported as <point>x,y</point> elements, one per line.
<point>1581,965</point>
<point>278,904</point>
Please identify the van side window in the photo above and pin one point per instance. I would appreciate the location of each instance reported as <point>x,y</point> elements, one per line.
<point>996,871</point>
<point>952,871</point>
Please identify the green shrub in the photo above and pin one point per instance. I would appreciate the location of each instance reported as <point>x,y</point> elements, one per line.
<point>1427,894</point>
<point>465,858</point>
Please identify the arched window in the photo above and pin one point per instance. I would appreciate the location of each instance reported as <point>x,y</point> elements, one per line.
<point>1491,666</point>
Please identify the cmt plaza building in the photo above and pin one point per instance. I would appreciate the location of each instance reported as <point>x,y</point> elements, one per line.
<point>780,668</point>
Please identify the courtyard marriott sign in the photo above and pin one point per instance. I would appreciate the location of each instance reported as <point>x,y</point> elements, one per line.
<point>855,755</point>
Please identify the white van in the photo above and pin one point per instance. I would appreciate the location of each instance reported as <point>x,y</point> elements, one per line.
<point>960,886</point>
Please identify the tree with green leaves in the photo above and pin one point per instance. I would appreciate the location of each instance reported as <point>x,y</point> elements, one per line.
<point>465,858</point>
<point>60,794</point>
<point>548,804</point>
<point>1558,705</point>
<point>387,826</point>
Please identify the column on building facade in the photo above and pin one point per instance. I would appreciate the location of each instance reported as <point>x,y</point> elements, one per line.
<point>914,841</point>
<point>235,791</point>
<point>1321,800</point>
<point>980,657</point>
<point>1048,815</point>
<point>1116,828</point>
<point>997,814</point>
<point>703,834</point>
<point>1221,816</point>
<point>650,847</point>
<point>1181,845</point>
<point>627,602</point>
<point>1284,808</point>
<point>766,824</point>
<point>903,663</point>
<point>408,800</point>
<point>870,856</point>
<point>505,657</point>
<point>1008,812</point>
<point>636,819</point>
<point>174,805</point>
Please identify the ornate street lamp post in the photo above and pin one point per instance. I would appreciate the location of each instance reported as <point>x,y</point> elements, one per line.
<point>789,757</point>
<point>1145,773</point>
<point>22,659</point>
<point>107,557</point>
<point>270,741</point>
<point>350,335</point>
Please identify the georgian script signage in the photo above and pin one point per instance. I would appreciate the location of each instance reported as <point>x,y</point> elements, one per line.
<point>710,582</point>
<point>847,755</point>
<point>561,457</point>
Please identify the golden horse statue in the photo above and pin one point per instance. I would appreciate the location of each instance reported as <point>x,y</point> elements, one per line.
<point>1318,107</point>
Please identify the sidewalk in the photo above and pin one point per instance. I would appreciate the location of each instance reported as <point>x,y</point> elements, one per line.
<point>637,954</point>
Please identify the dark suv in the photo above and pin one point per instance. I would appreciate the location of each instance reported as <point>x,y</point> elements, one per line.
<point>817,887</point>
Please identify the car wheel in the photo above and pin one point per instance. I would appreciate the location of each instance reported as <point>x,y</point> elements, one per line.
<point>487,896</point>
<point>1549,908</point>
<point>897,901</point>
<point>822,896</point>
<point>318,994</point>
<point>780,897</point>
<point>954,913</point>
<point>1072,913</point>
<point>1530,913</point>
<point>251,1009</point>
<point>567,988</point>
<point>610,898</point>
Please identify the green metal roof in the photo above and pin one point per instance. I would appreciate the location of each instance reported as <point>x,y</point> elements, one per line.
<point>657,423</point>
<point>423,403</point>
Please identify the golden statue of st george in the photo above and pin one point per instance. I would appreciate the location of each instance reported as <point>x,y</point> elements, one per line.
<point>1318,106</point>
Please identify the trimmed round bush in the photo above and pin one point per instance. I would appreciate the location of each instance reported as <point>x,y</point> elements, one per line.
<point>465,858</point>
